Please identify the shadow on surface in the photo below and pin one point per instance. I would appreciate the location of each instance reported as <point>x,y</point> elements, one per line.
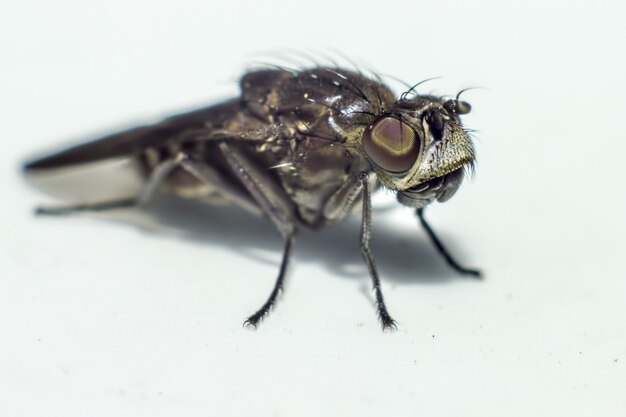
<point>403,254</point>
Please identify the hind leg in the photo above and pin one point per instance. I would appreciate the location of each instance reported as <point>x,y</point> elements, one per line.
<point>158,175</point>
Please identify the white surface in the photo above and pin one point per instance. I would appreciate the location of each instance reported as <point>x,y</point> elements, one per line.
<point>99,317</point>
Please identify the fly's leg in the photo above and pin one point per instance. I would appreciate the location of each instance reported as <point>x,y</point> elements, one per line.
<point>156,178</point>
<point>102,206</point>
<point>341,202</point>
<point>275,204</point>
<point>442,250</point>
<point>208,175</point>
<point>366,220</point>
<point>254,319</point>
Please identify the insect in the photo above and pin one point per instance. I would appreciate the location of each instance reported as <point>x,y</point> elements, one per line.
<point>301,148</point>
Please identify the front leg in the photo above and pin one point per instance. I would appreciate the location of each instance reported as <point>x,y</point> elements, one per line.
<point>442,250</point>
<point>366,220</point>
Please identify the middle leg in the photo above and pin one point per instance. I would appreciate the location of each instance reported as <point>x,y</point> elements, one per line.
<point>275,205</point>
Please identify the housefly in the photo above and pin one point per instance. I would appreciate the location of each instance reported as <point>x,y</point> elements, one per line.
<point>300,148</point>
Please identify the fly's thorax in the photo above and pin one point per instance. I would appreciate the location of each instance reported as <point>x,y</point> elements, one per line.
<point>419,149</point>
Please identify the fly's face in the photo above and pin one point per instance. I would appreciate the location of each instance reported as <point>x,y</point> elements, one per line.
<point>420,149</point>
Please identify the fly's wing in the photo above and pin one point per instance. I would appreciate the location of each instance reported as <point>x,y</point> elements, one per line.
<point>133,141</point>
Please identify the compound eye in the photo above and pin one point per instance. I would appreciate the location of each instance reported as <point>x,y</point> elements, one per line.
<point>391,144</point>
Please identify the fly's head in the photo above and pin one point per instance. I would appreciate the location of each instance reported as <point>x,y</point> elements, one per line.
<point>420,149</point>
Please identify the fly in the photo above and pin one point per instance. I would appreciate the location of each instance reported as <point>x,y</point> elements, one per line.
<point>300,148</point>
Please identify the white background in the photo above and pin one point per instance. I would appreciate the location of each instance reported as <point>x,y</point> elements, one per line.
<point>117,316</point>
